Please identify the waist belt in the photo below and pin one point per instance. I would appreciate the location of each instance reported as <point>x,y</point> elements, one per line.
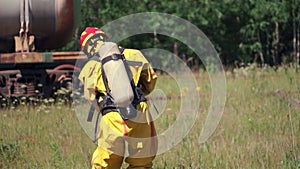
<point>107,105</point>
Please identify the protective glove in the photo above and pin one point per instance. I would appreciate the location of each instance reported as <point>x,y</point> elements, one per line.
<point>144,108</point>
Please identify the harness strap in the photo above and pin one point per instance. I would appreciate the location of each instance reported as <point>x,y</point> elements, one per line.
<point>112,57</point>
<point>137,97</point>
<point>105,81</point>
<point>96,128</point>
<point>120,56</point>
<point>93,107</point>
<point>92,110</point>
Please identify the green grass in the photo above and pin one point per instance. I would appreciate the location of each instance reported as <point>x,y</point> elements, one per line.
<point>260,128</point>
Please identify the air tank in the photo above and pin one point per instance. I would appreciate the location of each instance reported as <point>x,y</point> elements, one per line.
<point>51,22</point>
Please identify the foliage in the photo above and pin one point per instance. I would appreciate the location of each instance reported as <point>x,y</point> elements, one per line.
<point>240,30</point>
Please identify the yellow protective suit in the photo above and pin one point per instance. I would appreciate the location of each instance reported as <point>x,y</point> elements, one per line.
<point>114,130</point>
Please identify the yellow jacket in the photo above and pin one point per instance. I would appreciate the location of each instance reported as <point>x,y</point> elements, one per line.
<point>91,76</point>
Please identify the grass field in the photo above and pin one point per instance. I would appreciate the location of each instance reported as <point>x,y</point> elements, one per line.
<point>260,128</point>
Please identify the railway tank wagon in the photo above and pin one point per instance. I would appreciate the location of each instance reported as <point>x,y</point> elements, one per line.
<point>29,29</point>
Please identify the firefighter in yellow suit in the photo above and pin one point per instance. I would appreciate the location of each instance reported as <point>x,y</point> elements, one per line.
<point>114,129</point>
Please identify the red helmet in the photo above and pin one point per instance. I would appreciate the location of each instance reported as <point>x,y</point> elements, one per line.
<point>91,33</point>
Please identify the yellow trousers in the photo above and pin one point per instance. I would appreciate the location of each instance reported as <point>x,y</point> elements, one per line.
<point>114,132</point>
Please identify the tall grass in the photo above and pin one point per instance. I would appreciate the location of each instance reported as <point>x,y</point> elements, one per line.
<point>260,128</point>
<point>43,137</point>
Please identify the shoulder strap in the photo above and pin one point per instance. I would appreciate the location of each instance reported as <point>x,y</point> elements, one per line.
<point>105,80</point>
<point>137,92</point>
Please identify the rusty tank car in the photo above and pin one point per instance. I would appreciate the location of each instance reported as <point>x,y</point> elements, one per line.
<point>29,29</point>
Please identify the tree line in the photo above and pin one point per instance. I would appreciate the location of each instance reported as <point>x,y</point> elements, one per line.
<point>245,31</point>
